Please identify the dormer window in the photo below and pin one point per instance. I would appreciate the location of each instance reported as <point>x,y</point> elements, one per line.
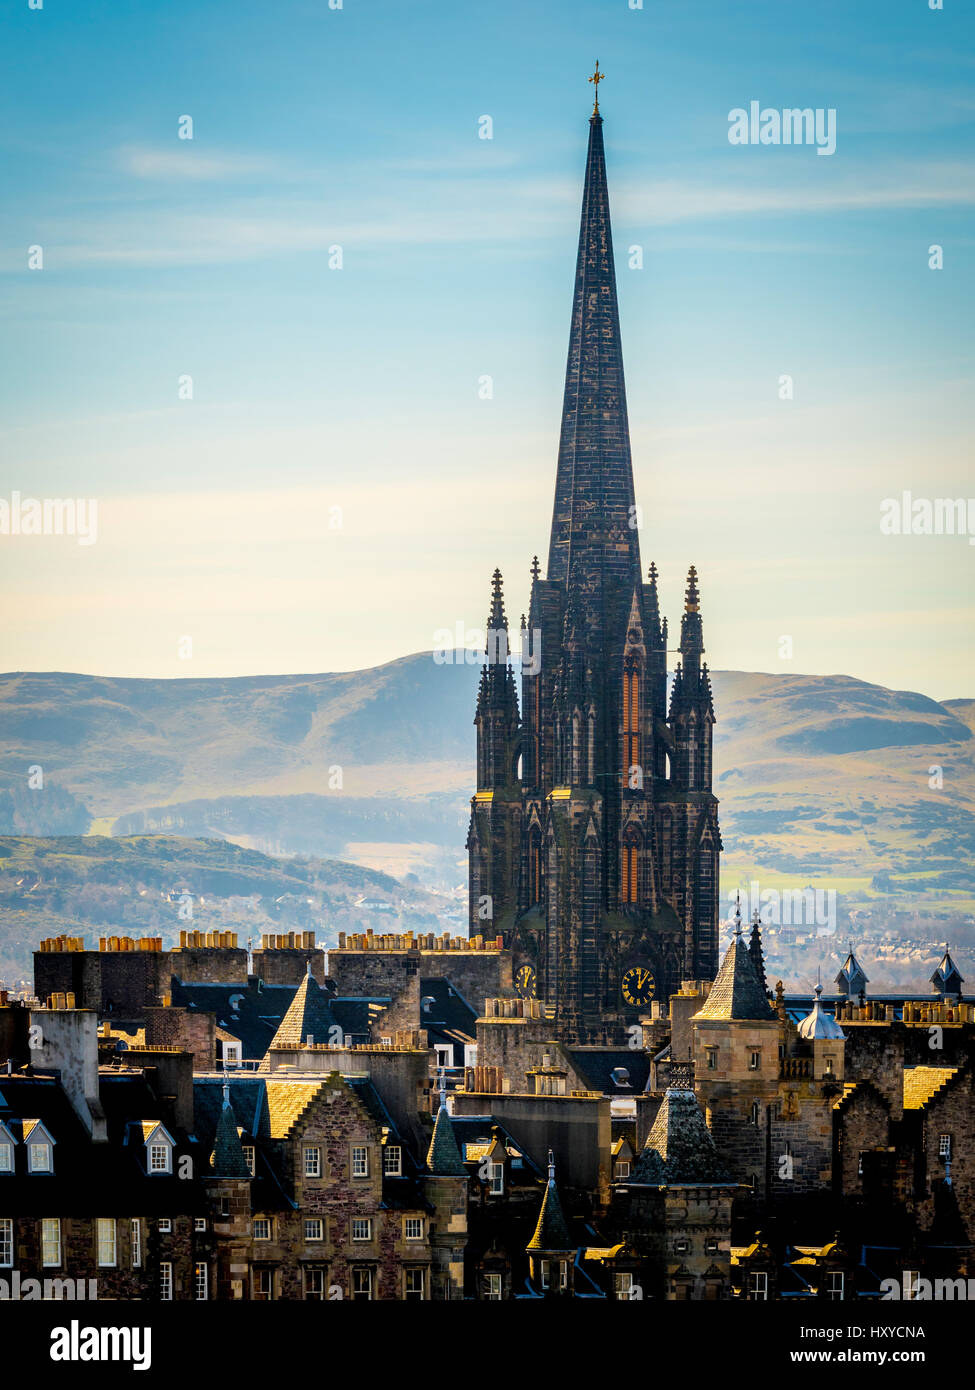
<point>40,1147</point>
<point>159,1149</point>
<point>7,1142</point>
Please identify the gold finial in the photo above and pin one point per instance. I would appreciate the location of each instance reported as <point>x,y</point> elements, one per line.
<point>596,78</point>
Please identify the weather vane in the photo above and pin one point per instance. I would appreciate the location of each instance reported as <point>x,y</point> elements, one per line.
<point>596,78</point>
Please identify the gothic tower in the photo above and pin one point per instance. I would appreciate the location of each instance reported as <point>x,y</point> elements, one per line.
<point>594,832</point>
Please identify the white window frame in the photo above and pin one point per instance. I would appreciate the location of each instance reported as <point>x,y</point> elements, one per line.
<point>266,1225</point>
<point>160,1150</point>
<point>314,1230</point>
<point>309,1275</point>
<point>414,1295</point>
<point>201,1281</point>
<point>754,1059</point>
<point>50,1234</point>
<point>758,1286</point>
<point>495,1179</point>
<point>492,1288</point>
<point>6,1156</point>
<point>35,1149</point>
<point>165,1226</point>
<point>622,1284</point>
<point>835,1285</point>
<point>257,1277</point>
<point>6,1242</point>
<point>104,1227</point>
<point>136,1233</point>
<point>250,1157</point>
<point>360,1161</point>
<point>393,1161</point>
<point>360,1221</point>
<point>313,1161</point>
<point>363,1272</point>
<point>416,1223</point>
<point>166,1281</point>
<point>199,1223</point>
<point>944,1146</point>
<point>622,1168</point>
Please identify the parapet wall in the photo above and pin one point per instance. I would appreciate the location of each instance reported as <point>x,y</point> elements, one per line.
<point>379,965</point>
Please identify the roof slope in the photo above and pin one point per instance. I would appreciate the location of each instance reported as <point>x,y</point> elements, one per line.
<point>679,1148</point>
<point>737,991</point>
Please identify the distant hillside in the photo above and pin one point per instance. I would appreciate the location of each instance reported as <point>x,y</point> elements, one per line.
<point>137,887</point>
<point>821,778</point>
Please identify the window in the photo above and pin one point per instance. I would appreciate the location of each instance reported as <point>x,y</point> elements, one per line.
<point>758,1286</point>
<point>262,1228</point>
<point>944,1146</point>
<point>445,1054</point>
<point>631,866</point>
<point>393,1161</point>
<point>681,1247</point>
<point>362,1228</point>
<point>166,1282</point>
<point>413,1285</point>
<point>361,1282</point>
<point>561,1272</point>
<point>835,1281</point>
<point>6,1157</point>
<point>314,1228</point>
<point>912,1279</point>
<point>199,1223</point>
<point>201,1282</point>
<point>712,1056</point>
<point>165,1225</point>
<point>413,1228</point>
<point>623,1284</point>
<point>360,1162</point>
<point>492,1288</point>
<point>313,1162</point>
<point>754,1060</point>
<point>314,1283</point>
<point>6,1242</point>
<point>136,1242</point>
<point>105,1227</point>
<point>51,1242</point>
<point>756,1112</point>
<point>622,1168</point>
<point>231,1054</point>
<point>631,733</point>
<point>711,1245</point>
<point>249,1157</point>
<point>40,1158</point>
<point>263,1285</point>
<point>496,1179</point>
<point>160,1158</point>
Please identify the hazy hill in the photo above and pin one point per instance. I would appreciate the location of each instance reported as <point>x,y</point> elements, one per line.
<point>821,778</point>
<point>137,886</point>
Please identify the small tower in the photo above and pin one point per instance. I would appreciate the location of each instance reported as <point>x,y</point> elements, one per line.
<point>550,1250</point>
<point>947,979</point>
<point>852,981</point>
<point>446,1190</point>
<point>228,1190</point>
<point>755,949</point>
<point>828,1041</point>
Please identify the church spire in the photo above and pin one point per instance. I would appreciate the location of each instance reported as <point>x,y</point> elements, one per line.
<point>594,537</point>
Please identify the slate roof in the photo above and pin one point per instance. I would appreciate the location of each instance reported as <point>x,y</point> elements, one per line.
<point>597,1067</point>
<point>737,991</point>
<point>552,1231</point>
<point>443,1156</point>
<point>947,979</point>
<point>449,1010</point>
<point>680,1149</point>
<point>250,1012</point>
<point>309,1016</point>
<point>227,1160</point>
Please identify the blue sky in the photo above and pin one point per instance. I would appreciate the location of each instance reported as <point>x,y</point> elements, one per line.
<point>316,389</point>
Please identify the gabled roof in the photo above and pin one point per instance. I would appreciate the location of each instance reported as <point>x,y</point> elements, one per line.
<point>947,979</point>
<point>737,991</point>
<point>680,1149</point>
<point>851,979</point>
<point>922,1083</point>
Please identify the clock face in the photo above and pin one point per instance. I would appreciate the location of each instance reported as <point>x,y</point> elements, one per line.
<point>525,982</point>
<point>637,986</point>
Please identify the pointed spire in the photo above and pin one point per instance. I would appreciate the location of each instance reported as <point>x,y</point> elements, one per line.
<point>819,1024</point>
<point>737,991</point>
<point>755,949</point>
<point>309,1017</point>
<point>851,980</point>
<point>227,1159</point>
<point>443,1156</point>
<point>680,1148</point>
<point>551,1230</point>
<point>947,979</point>
<point>594,544</point>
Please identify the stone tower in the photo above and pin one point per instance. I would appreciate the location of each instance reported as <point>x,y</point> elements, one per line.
<point>594,835</point>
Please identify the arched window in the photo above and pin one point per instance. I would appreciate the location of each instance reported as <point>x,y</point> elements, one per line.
<point>631,723</point>
<point>630,878</point>
<point>535,867</point>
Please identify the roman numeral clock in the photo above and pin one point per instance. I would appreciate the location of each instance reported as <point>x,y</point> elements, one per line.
<point>637,986</point>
